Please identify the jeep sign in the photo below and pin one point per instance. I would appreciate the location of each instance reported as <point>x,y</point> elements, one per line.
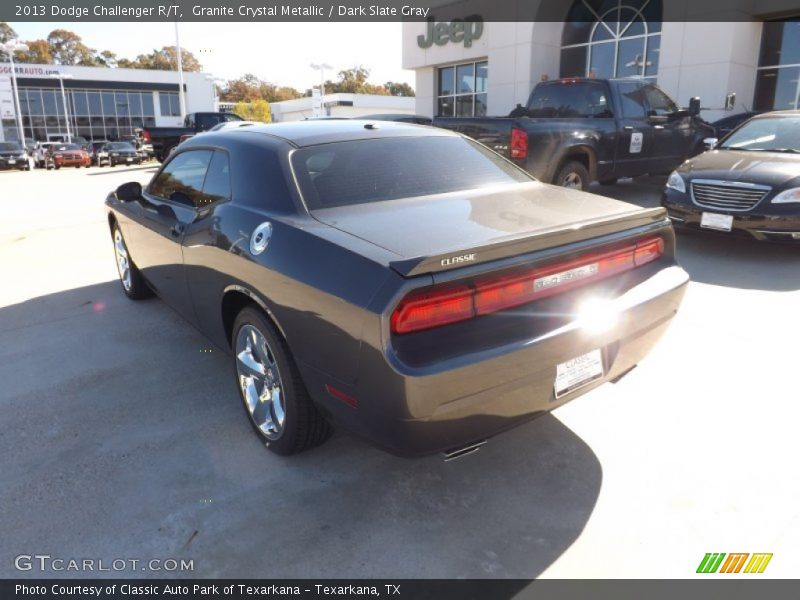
<point>456,31</point>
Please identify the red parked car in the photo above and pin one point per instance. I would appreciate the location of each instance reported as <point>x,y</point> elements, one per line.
<point>67,155</point>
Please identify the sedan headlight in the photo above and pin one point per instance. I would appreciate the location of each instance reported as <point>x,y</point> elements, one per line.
<point>787,196</point>
<point>676,182</point>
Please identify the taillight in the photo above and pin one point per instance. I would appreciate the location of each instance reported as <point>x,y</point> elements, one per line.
<point>146,136</point>
<point>519,143</point>
<point>648,251</point>
<point>432,308</point>
<point>492,293</point>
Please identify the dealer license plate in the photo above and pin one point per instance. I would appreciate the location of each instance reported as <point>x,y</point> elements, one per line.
<point>12,162</point>
<point>578,372</point>
<point>128,160</point>
<point>715,221</point>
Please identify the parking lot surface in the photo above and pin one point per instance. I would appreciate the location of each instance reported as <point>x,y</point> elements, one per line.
<point>123,436</point>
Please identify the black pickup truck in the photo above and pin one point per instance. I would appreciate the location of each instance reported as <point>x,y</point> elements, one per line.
<point>575,131</point>
<point>165,139</point>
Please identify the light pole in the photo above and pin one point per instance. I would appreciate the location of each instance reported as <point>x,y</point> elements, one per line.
<point>9,48</point>
<point>61,77</point>
<point>181,98</point>
<point>321,68</point>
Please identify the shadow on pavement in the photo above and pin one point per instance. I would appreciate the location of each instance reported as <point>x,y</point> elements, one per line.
<point>716,258</point>
<point>124,437</point>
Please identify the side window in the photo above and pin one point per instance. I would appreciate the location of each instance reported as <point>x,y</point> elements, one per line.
<point>660,103</point>
<point>182,179</point>
<point>633,100</point>
<point>217,185</point>
<point>569,100</point>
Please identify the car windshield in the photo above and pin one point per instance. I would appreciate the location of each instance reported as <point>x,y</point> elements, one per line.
<point>121,146</point>
<point>10,147</point>
<point>770,134</point>
<point>62,147</point>
<point>359,172</point>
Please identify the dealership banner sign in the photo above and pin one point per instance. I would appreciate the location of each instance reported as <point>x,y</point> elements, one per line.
<point>434,11</point>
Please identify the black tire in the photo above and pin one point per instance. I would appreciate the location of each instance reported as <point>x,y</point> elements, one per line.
<point>611,181</point>
<point>573,175</point>
<point>57,167</point>
<point>304,427</point>
<point>138,290</point>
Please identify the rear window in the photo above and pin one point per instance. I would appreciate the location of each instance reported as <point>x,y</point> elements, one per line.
<point>358,172</point>
<point>569,100</point>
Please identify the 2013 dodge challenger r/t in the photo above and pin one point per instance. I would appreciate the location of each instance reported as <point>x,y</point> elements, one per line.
<point>402,282</point>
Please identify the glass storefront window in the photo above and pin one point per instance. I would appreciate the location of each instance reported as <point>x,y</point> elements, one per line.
<point>612,38</point>
<point>93,114</point>
<point>778,76</point>
<point>148,107</point>
<point>462,90</point>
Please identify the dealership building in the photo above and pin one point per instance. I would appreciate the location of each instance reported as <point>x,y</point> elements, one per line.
<point>477,67</point>
<point>101,103</point>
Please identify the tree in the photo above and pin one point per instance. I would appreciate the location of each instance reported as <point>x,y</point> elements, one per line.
<point>257,110</point>
<point>398,89</point>
<point>38,52</point>
<point>250,88</point>
<point>7,33</point>
<point>354,81</point>
<point>165,59</point>
<point>106,58</point>
<point>67,48</point>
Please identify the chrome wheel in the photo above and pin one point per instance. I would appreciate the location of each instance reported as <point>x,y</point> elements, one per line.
<point>123,262</point>
<point>260,381</point>
<point>572,181</point>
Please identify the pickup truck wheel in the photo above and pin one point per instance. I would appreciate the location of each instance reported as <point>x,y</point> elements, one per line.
<point>573,175</point>
<point>130,277</point>
<point>275,399</point>
<point>612,181</point>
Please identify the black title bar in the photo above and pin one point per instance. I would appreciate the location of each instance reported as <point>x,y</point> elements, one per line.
<point>369,10</point>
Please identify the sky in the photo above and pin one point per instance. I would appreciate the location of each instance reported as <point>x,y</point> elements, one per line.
<point>276,52</point>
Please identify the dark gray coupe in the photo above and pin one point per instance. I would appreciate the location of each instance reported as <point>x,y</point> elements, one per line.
<point>403,282</point>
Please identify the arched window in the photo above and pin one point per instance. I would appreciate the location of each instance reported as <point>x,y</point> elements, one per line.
<point>612,38</point>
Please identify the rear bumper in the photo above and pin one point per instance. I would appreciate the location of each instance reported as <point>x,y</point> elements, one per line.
<point>485,395</point>
<point>754,224</point>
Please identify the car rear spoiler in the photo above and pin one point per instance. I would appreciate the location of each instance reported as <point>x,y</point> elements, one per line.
<point>530,242</point>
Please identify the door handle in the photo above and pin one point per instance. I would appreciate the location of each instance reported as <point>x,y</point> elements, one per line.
<point>177,229</point>
<point>627,128</point>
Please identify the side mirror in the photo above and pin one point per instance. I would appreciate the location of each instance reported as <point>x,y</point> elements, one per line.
<point>130,191</point>
<point>710,143</point>
<point>730,101</point>
<point>694,106</point>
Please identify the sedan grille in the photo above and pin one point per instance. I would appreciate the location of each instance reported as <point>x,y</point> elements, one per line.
<point>727,196</point>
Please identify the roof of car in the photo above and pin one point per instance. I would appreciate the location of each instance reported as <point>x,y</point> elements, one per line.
<point>779,113</point>
<point>311,133</point>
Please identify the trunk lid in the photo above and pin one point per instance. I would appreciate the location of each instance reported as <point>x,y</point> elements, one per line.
<point>437,233</point>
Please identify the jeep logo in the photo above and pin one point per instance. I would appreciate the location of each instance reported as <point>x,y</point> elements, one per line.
<point>456,31</point>
<point>454,260</point>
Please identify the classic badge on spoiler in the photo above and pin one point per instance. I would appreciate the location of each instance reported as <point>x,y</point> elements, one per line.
<point>563,277</point>
<point>454,260</point>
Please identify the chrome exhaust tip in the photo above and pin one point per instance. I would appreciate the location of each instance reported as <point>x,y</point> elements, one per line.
<point>462,451</point>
